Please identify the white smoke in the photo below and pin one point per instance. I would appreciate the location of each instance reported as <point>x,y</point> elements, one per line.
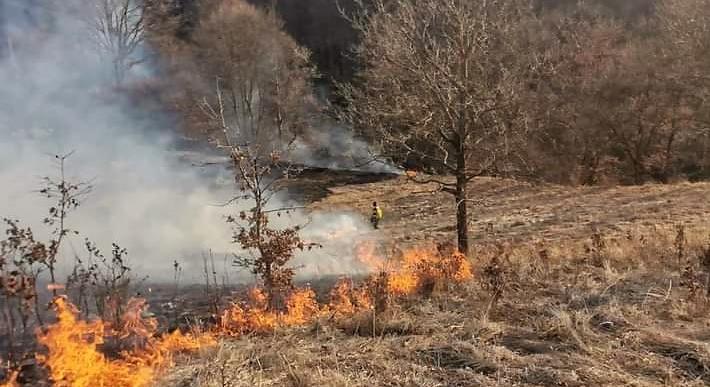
<point>334,147</point>
<point>56,97</point>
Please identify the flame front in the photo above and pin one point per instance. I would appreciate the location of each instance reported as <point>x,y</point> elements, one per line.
<point>75,359</point>
<point>347,300</point>
<point>301,307</point>
<point>77,350</point>
<point>255,316</point>
<point>417,268</point>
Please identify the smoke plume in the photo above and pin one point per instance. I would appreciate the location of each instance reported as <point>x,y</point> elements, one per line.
<point>57,96</point>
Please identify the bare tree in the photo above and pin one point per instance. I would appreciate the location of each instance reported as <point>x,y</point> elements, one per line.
<point>68,196</point>
<point>684,27</point>
<point>23,258</point>
<point>259,168</point>
<point>566,146</point>
<point>117,28</point>
<point>440,83</point>
<point>265,77</point>
<point>263,102</point>
<point>613,111</point>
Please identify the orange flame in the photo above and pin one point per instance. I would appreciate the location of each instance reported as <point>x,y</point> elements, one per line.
<point>75,349</point>
<point>74,357</point>
<point>255,316</point>
<point>418,267</point>
<point>301,307</point>
<point>413,271</point>
<point>341,300</point>
<point>11,380</point>
<point>347,300</point>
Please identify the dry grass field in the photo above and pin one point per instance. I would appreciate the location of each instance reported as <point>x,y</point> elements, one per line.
<point>513,210</point>
<point>552,302</point>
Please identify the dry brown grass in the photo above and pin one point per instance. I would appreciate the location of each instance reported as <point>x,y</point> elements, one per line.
<point>508,210</point>
<point>596,288</point>
<point>565,318</point>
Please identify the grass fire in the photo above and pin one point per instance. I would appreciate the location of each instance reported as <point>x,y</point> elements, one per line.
<point>354,193</point>
<point>96,352</point>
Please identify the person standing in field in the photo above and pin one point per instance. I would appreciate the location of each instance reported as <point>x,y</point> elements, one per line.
<point>376,216</point>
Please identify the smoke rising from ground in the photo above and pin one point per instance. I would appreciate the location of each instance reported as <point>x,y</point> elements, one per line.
<point>57,97</point>
<point>335,147</point>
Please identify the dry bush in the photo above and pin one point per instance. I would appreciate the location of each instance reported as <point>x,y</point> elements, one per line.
<point>23,259</point>
<point>20,254</point>
<point>497,276</point>
<point>597,249</point>
<point>96,283</point>
<point>258,111</point>
<point>696,279</point>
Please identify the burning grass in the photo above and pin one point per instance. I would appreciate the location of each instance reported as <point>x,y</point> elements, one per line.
<point>255,317</point>
<point>418,270</point>
<point>602,311</point>
<point>130,352</point>
<point>568,315</point>
<point>75,357</point>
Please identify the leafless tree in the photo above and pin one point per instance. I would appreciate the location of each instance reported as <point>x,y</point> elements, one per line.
<point>259,170</point>
<point>684,27</point>
<point>67,196</point>
<point>117,29</point>
<point>265,77</point>
<point>441,82</point>
<point>613,111</point>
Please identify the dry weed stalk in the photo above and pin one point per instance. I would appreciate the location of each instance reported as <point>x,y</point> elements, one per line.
<point>68,197</point>
<point>695,278</point>
<point>679,244</point>
<point>215,291</point>
<point>495,277</point>
<point>597,249</point>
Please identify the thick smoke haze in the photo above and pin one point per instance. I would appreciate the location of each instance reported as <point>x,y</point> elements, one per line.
<point>56,96</point>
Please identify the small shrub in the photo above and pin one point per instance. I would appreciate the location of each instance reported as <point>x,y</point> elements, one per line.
<point>597,249</point>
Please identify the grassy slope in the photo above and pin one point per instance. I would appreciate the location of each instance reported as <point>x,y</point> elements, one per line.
<point>568,317</point>
<point>511,210</point>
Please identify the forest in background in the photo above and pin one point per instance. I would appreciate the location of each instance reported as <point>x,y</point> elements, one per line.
<point>624,103</point>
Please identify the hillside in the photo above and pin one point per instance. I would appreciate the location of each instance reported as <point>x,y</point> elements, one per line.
<point>505,210</point>
<point>577,309</point>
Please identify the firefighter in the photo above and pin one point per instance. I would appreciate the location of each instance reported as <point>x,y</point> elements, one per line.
<point>376,215</point>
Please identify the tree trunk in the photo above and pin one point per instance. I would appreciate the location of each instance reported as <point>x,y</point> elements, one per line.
<point>461,214</point>
<point>461,181</point>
